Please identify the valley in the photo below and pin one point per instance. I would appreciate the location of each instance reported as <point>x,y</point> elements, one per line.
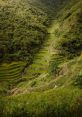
<point>41,58</point>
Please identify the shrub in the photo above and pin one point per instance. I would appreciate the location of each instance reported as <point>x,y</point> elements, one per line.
<point>78,81</point>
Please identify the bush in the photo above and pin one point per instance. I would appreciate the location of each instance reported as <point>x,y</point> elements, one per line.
<point>78,81</point>
<point>54,65</point>
<point>70,47</point>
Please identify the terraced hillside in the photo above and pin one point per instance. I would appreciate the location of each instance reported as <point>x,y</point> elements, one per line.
<point>22,33</point>
<point>51,85</point>
<point>23,29</point>
<point>10,74</point>
<point>36,74</point>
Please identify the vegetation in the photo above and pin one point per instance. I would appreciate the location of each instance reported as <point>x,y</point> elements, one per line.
<point>23,30</point>
<point>41,55</point>
<point>60,102</point>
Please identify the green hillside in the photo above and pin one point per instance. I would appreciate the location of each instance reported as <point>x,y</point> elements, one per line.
<point>23,28</point>
<point>41,58</point>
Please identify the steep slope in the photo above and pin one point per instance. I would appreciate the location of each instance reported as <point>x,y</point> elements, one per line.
<point>23,31</point>
<point>54,63</point>
<point>51,86</point>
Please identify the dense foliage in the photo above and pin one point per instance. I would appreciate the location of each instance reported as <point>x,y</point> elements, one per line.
<point>23,27</point>
<point>22,30</point>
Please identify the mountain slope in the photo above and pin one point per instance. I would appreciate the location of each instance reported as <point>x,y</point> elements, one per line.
<point>54,59</point>
<point>51,86</point>
<point>23,31</point>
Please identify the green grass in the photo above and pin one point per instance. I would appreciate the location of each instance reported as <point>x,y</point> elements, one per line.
<point>58,103</point>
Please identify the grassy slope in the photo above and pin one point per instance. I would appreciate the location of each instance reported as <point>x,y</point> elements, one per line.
<point>10,74</point>
<point>61,83</point>
<point>22,32</point>
<point>18,41</point>
<point>49,63</point>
